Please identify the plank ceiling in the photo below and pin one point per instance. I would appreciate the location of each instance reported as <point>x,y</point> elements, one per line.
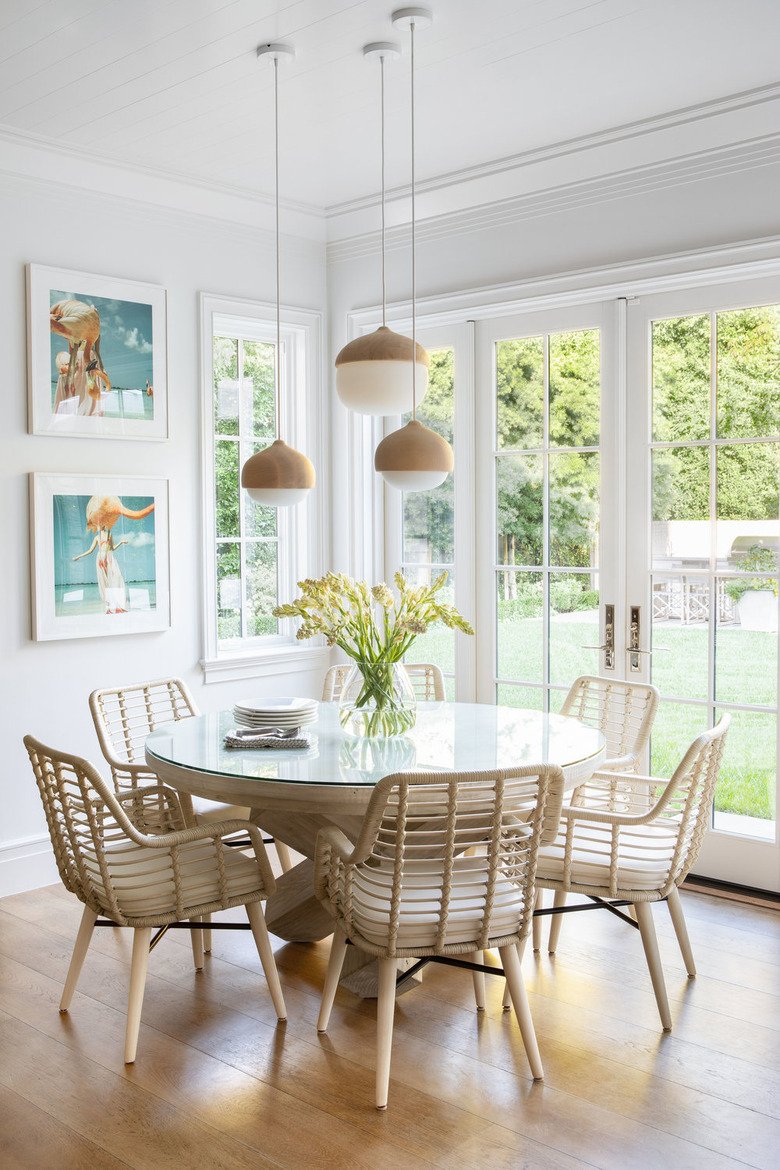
<point>174,86</point>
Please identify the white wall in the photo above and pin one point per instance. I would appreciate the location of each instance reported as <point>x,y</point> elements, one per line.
<point>44,686</point>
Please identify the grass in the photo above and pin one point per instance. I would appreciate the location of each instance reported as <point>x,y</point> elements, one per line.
<point>746,674</point>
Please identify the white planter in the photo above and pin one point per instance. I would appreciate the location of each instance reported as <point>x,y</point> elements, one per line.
<point>757,610</point>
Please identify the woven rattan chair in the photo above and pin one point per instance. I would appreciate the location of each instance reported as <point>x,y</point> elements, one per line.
<point>145,879</point>
<point>124,717</point>
<point>638,845</point>
<point>426,678</point>
<point>408,887</point>
<point>624,712</point>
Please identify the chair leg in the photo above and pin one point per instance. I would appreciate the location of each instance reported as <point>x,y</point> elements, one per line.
<point>338,949</point>
<point>135,999</point>
<point>80,949</point>
<point>644,916</point>
<point>283,853</point>
<point>556,921</point>
<point>254,912</point>
<point>537,921</point>
<point>681,930</point>
<point>479,981</point>
<point>514,981</point>
<point>206,934</point>
<point>385,1010</point>
<point>196,938</point>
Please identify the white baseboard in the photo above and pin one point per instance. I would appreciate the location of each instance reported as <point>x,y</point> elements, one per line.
<point>26,865</point>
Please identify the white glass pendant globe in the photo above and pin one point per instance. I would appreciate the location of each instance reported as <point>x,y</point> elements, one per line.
<point>373,375</point>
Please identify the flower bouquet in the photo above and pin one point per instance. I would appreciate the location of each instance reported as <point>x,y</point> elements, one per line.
<point>375,628</point>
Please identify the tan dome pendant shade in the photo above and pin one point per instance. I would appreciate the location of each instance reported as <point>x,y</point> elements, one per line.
<point>414,458</point>
<point>373,371</point>
<point>279,476</point>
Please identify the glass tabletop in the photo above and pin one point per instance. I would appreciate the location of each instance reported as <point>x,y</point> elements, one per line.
<point>446,737</point>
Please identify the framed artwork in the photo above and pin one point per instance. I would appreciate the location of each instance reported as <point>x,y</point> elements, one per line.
<point>99,555</point>
<point>96,356</point>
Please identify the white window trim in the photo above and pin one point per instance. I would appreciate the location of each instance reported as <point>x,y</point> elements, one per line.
<point>300,423</point>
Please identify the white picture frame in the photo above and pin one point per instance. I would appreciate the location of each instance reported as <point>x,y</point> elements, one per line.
<point>99,553</point>
<point>97,356</point>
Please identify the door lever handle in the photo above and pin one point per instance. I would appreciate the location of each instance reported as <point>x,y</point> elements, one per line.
<point>608,645</point>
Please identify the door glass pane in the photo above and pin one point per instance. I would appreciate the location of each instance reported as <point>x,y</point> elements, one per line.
<point>746,649</point>
<point>748,483</point>
<point>574,508</point>
<point>519,643</point>
<point>437,644</point>
<point>520,509</point>
<point>745,796</point>
<point>529,698</point>
<point>428,518</point>
<point>748,354</point>
<point>520,393</point>
<point>681,378</point>
<point>574,389</point>
<point>574,626</point>
<point>676,726</point>
<point>681,617</point>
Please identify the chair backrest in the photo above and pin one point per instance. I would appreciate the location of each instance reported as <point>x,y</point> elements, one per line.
<point>124,717</point>
<point>623,711</point>
<point>685,802</point>
<point>414,838</point>
<point>103,858</point>
<point>86,824</point>
<point>426,678</point>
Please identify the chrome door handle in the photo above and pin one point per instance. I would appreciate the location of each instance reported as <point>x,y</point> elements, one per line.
<point>609,638</point>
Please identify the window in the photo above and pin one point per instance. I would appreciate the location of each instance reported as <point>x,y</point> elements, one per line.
<point>253,554</point>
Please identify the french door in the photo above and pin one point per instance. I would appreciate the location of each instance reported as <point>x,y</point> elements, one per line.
<point>614,510</point>
<point>703,461</point>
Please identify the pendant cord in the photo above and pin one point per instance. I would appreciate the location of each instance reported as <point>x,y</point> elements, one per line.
<point>277,379</point>
<point>414,269</point>
<point>384,261</point>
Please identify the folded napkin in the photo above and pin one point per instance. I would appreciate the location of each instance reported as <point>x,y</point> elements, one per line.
<point>274,742</point>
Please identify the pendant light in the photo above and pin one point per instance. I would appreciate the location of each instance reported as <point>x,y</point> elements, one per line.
<point>373,371</point>
<point>415,458</point>
<point>278,476</point>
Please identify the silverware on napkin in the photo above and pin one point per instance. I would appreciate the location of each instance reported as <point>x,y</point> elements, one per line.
<point>266,737</point>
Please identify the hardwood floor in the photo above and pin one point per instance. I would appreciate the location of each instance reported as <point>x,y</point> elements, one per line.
<point>218,1084</point>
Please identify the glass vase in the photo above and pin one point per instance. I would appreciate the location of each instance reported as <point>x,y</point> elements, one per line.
<point>377,699</point>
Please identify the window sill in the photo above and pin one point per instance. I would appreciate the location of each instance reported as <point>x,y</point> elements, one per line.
<point>280,659</point>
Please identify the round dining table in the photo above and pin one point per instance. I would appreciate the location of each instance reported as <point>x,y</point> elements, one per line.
<point>292,794</point>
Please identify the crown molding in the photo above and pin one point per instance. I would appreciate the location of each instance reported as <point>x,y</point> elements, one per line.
<point>29,155</point>
<point>627,131</point>
<point>637,180</point>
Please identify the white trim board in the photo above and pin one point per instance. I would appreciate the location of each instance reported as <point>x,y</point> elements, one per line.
<point>26,864</point>
<point>741,261</point>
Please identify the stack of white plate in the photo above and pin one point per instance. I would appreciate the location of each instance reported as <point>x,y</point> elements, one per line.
<point>285,712</point>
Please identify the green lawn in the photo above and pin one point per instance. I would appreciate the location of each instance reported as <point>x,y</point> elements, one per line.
<point>746,673</point>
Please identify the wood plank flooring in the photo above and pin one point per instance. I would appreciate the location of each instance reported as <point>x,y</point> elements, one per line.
<point>217,1083</point>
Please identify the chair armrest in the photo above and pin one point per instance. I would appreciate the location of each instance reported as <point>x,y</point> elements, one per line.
<point>153,809</point>
<point>339,843</point>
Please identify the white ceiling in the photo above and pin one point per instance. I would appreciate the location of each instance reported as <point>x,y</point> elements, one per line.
<point>173,86</point>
